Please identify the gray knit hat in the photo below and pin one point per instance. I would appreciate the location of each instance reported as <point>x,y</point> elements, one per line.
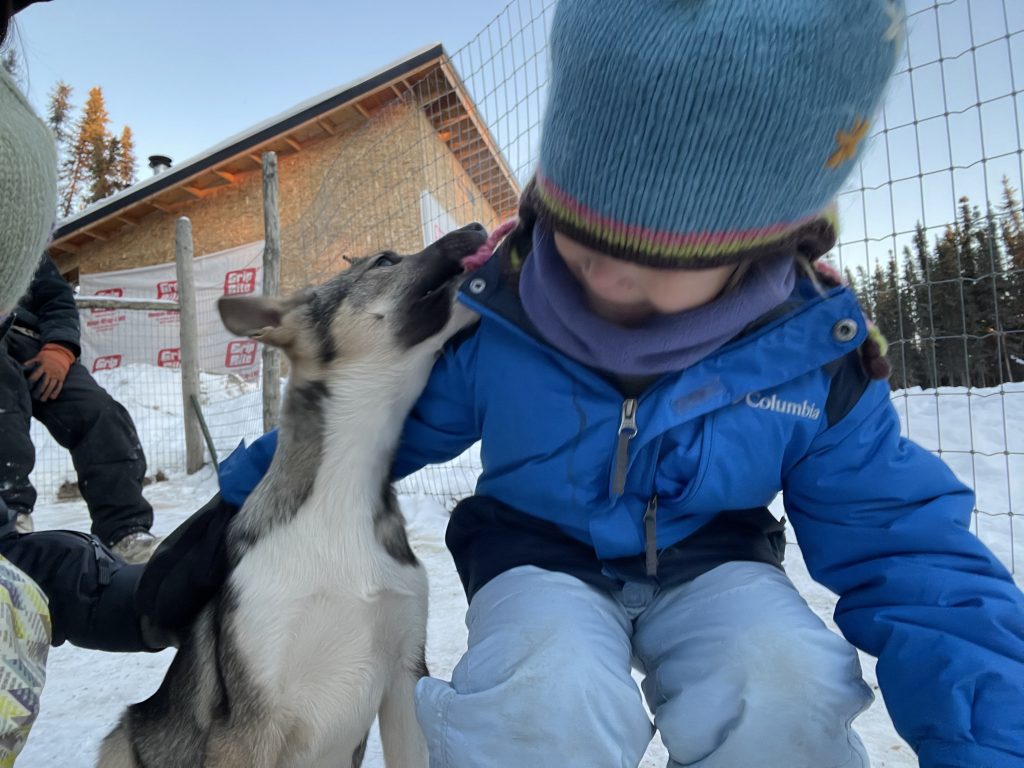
<point>28,191</point>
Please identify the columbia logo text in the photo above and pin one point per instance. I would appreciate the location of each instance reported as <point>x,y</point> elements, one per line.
<point>804,410</point>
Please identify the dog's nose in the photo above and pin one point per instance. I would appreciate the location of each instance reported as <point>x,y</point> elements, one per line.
<point>461,242</point>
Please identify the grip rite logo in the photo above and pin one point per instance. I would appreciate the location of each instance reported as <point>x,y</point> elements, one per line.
<point>240,281</point>
<point>167,289</point>
<point>240,354</point>
<point>169,358</point>
<point>116,293</point>
<point>106,363</point>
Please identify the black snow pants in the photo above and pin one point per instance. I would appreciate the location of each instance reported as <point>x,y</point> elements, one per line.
<point>89,423</point>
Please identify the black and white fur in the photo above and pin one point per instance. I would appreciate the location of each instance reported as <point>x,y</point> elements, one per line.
<point>322,623</point>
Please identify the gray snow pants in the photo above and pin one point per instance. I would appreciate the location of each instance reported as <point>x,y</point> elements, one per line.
<point>740,673</point>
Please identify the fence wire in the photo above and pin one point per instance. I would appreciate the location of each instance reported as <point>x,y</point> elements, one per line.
<point>932,228</point>
<point>934,237</point>
<point>943,173</point>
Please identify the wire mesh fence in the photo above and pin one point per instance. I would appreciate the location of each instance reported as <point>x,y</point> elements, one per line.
<point>152,394</point>
<point>933,238</point>
<point>932,230</point>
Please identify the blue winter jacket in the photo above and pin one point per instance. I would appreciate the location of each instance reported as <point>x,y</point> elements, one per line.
<point>880,521</point>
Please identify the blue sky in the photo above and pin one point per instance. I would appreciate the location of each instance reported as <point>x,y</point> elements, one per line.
<point>187,75</point>
<point>955,120</point>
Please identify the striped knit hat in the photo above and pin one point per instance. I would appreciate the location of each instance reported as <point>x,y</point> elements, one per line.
<point>690,133</point>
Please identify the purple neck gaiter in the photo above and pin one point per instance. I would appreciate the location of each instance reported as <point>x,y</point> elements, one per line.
<point>557,305</point>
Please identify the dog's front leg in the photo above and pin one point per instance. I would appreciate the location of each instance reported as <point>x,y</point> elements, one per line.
<point>400,733</point>
<point>258,743</point>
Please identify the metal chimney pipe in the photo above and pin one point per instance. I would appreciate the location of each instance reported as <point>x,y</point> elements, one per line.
<point>159,163</point>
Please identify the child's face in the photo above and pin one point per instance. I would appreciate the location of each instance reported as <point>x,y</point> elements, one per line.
<point>628,294</point>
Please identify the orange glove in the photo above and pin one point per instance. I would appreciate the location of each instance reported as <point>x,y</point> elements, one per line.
<point>51,368</point>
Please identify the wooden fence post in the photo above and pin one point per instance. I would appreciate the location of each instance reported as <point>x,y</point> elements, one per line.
<point>189,344</point>
<point>271,287</point>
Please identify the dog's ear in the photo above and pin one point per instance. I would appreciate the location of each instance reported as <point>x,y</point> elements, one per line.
<point>260,317</point>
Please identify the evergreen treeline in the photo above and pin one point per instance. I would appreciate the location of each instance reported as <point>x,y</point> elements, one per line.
<point>94,163</point>
<point>953,310</point>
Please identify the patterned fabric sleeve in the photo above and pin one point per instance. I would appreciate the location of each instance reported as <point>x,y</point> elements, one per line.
<point>24,644</point>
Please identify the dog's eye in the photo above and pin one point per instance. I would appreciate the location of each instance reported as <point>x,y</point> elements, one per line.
<point>384,260</point>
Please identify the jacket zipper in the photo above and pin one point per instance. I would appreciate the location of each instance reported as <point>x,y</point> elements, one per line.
<point>627,431</point>
<point>651,536</point>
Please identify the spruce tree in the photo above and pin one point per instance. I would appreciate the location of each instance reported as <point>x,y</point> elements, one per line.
<point>892,311</point>
<point>101,169</point>
<point>1011,304</point>
<point>921,291</point>
<point>902,334</point>
<point>1012,219</point>
<point>862,289</point>
<point>59,118</point>
<point>58,113</point>
<point>96,139</point>
<point>86,154</point>
<point>987,297</point>
<point>918,373</point>
<point>123,170</point>
<point>947,310</point>
<point>968,268</point>
<point>95,164</point>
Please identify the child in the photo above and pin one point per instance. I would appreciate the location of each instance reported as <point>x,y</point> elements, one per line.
<point>652,366</point>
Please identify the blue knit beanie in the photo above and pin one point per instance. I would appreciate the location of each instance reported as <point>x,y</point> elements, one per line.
<point>690,133</point>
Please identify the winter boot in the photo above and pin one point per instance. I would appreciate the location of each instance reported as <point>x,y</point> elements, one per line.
<point>135,547</point>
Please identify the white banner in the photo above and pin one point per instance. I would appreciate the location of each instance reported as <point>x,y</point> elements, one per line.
<point>115,337</point>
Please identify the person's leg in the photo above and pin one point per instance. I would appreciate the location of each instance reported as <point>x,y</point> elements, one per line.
<point>740,671</point>
<point>24,646</point>
<point>545,682</point>
<point>106,452</point>
<point>17,454</point>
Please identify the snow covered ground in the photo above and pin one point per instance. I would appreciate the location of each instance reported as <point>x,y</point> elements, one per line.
<point>981,434</point>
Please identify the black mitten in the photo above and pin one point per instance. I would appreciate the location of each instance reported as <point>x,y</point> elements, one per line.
<point>90,590</point>
<point>185,572</point>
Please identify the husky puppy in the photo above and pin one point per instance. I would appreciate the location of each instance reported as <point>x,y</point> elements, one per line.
<point>321,624</point>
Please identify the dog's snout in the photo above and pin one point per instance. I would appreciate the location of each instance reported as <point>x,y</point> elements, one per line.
<point>473,233</point>
<point>463,241</point>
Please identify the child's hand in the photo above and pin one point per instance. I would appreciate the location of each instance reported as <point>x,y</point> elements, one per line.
<point>48,370</point>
